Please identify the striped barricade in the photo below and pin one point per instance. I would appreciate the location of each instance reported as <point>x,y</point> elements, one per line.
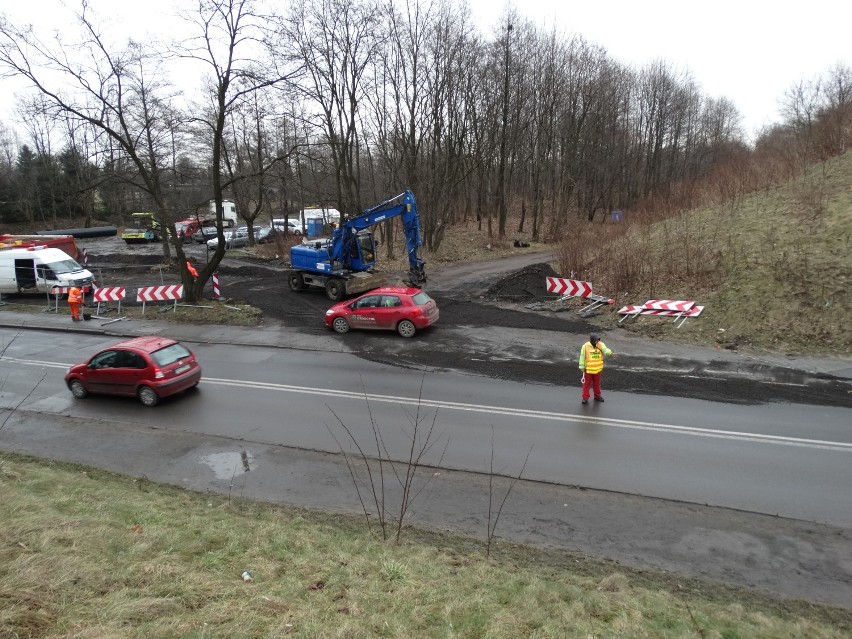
<point>108,294</point>
<point>680,310</point>
<point>576,288</point>
<point>159,294</point>
<point>57,292</point>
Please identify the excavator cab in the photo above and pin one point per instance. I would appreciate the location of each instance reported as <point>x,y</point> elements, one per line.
<point>362,251</point>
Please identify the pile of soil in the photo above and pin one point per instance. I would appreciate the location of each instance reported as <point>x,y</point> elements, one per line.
<point>525,285</point>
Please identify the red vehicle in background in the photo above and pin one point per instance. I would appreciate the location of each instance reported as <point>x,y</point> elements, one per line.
<point>395,308</point>
<point>64,243</point>
<point>186,228</point>
<point>149,368</point>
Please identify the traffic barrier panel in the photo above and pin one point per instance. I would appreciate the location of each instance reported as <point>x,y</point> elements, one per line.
<point>569,288</point>
<point>576,288</point>
<point>679,306</point>
<point>159,294</point>
<point>57,292</point>
<point>108,294</point>
<point>663,308</point>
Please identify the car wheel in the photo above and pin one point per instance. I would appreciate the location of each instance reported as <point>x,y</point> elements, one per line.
<point>78,390</point>
<point>147,396</point>
<point>334,289</point>
<point>340,325</point>
<point>297,232</point>
<point>296,282</point>
<point>406,328</point>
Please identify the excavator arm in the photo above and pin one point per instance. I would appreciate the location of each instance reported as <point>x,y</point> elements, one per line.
<point>403,205</point>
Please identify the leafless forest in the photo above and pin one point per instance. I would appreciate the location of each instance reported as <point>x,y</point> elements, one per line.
<point>345,103</point>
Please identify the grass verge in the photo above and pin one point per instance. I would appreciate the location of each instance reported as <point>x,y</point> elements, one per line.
<point>88,553</point>
<point>772,268</point>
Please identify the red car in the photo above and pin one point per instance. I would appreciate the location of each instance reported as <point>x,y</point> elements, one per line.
<point>395,308</point>
<point>149,368</point>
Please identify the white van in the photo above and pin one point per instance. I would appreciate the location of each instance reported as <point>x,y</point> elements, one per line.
<point>38,269</point>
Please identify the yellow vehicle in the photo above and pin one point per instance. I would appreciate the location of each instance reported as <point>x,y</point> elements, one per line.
<point>143,228</point>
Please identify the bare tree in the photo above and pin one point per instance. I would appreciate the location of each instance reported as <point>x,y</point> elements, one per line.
<point>120,92</point>
<point>232,36</point>
<point>247,156</point>
<point>336,40</point>
<point>800,107</point>
<point>836,114</point>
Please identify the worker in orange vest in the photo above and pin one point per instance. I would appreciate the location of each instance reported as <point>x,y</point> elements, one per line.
<point>591,363</point>
<point>75,301</point>
<point>191,269</point>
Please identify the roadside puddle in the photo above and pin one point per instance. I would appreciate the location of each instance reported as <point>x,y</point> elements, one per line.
<point>229,464</point>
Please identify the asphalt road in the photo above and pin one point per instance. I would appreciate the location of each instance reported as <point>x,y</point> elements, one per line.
<point>263,419</point>
<point>779,460</point>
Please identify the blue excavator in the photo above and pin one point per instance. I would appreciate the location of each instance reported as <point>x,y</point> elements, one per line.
<point>344,265</point>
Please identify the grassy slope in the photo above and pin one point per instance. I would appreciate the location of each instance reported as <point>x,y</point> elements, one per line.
<point>86,553</point>
<point>772,269</point>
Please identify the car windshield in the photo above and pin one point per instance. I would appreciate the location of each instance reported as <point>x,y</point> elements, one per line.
<point>170,354</point>
<point>65,266</point>
<point>421,298</point>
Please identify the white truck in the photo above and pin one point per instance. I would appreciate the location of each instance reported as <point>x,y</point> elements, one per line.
<point>229,213</point>
<point>38,269</point>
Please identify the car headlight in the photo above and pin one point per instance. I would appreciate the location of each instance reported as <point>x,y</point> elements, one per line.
<point>329,312</point>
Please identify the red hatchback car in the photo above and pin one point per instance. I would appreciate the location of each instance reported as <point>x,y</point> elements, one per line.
<point>149,368</point>
<point>395,308</point>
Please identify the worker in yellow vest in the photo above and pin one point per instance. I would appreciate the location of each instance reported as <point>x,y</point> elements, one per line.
<point>592,356</point>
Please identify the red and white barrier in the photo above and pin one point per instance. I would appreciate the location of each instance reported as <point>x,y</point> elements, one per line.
<point>574,288</point>
<point>114,294</point>
<point>159,294</point>
<point>679,306</point>
<point>63,290</point>
<point>57,292</point>
<point>216,285</point>
<point>109,294</point>
<point>680,310</point>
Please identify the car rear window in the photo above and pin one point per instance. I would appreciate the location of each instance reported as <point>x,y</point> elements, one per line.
<point>170,354</point>
<point>420,298</point>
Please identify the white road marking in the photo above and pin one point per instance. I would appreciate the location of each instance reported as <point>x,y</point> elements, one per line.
<point>513,412</point>
<point>536,414</point>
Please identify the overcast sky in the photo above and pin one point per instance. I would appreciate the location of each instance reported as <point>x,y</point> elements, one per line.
<point>749,51</point>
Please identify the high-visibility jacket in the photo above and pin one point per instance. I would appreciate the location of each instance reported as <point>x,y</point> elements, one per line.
<point>592,357</point>
<point>75,296</point>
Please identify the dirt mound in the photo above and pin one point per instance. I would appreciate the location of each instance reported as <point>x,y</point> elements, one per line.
<point>525,285</point>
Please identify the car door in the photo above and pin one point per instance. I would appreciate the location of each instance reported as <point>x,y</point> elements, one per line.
<point>389,311</point>
<point>99,372</point>
<point>364,312</point>
<point>128,371</point>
